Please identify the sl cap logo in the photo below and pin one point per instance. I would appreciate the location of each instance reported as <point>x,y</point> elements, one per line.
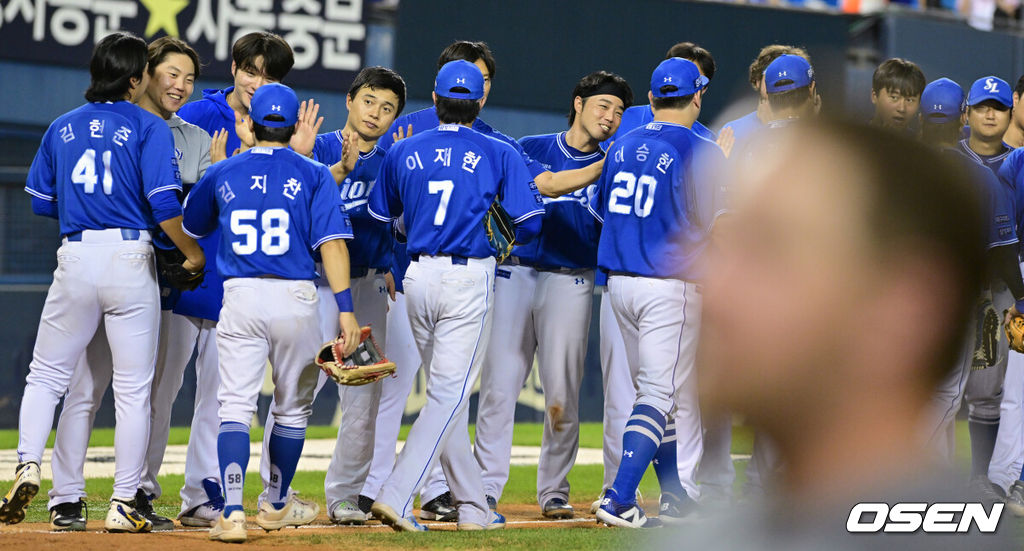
<point>991,86</point>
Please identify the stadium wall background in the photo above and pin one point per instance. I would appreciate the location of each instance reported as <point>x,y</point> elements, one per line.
<point>542,49</point>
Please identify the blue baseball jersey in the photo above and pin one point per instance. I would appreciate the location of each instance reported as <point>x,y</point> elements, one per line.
<point>992,162</point>
<point>1011,175</point>
<point>103,164</point>
<point>425,119</point>
<point>639,115</point>
<point>443,181</point>
<point>274,208</point>
<point>998,196</point>
<point>657,199</point>
<point>372,245</point>
<point>744,127</point>
<point>569,236</point>
<point>211,113</point>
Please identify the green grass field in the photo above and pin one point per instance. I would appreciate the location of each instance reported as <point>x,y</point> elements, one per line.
<point>585,481</point>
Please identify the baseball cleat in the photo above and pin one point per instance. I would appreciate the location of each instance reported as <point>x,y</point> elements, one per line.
<point>145,508</point>
<point>440,509</point>
<point>983,490</point>
<point>364,505</point>
<point>390,517</point>
<point>497,523</point>
<point>673,510</point>
<point>26,486</point>
<point>296,512</point>
<point>1015,498</point>
<point>625,515</point>
<point>557,507</point>
<point>230,529</point>
<point>203,516</point>
<point>345,513</point>
<point>492,503</point>
<point>68,517</point>
<point>597,502</point>
<point>123,517</point>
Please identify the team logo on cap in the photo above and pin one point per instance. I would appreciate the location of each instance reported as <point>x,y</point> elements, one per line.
<point>991,86</point>
<point>275,108</point>
<point>696,82</point>
<point>460,80</point>
<point>668,78</point>
<point>783,74</point>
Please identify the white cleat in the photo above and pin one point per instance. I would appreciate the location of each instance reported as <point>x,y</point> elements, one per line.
<point>26,486</point>
<point>296,512</point>
<point>390,517</point>
<point>347,514</point>
<point>203,516</point>
<point>230,529</point>
<point>122,517</point>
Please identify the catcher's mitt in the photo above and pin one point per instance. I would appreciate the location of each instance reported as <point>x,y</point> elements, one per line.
<point>1014,328</point>
<point>169,267</point>
<point>501,232</point>
<point>366,365</point>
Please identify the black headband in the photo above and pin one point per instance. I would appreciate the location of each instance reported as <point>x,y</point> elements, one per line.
<point>610,88</point>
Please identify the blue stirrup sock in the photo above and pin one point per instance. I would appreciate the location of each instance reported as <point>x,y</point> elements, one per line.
<point>665,465</point>
<point>233,457</point>
<point>284,449</point>
<point>644,432</point>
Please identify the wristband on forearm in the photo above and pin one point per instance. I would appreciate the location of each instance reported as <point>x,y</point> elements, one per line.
<point>344,300</point>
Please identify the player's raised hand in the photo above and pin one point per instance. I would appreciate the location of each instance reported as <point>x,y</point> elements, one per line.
<point>726,139</point>
<point>350,331</point>
<point>306,128</point>
<point>400,135</point>
<point>243,131</point>
<point>218,147</point>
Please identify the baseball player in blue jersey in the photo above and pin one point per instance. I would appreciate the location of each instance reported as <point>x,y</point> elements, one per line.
<point>656,202</point>
<point>375,98</point>
<point>544,295</point>
<point>173,67</point>
<point>107,171</point>
<point>988,114</point>
<point>974,375</point>
<point>441,182</point>
<point>737,131</point>
<point>639,115</point>
<point>274,207</point>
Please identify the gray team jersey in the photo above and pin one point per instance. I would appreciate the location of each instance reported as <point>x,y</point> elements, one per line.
<point>190,142</point>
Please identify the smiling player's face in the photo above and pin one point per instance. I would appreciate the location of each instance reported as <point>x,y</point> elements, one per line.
<point>988,120</point>
<point>599,116</point>
<point>249,79</point>
<point>371,112</point>
<point>172,83</point>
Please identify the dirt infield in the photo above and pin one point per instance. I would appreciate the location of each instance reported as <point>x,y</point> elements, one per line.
<point>319,535</point>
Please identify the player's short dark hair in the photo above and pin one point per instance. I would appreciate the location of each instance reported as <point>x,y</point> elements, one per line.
<point>160,48</point>
<point>116,59</point>
<point>600,82</point>
<point>273,134</point>
<point>380,78</point>
<point>1019,88</point>
<point>696,54</point>
<point>921,202</point>
<point>469,51</point>
<point>277,54</point>
<point>898,75</point>
<point>457,111</point>
<point>767,55</point>
<point>679,102</point>
<point>791,99</point>
<point>940,134</point>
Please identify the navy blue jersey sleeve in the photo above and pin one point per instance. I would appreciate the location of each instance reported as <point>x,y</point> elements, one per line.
<point>328,216</point>
<point>1011,174</point>
<point>41,182</point>
<point>384,204</point>
<point>200,216</point>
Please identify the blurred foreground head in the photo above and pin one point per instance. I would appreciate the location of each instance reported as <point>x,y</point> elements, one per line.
<point>839,287</point>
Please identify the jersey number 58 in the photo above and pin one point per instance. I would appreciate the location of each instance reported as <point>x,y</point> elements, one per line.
<point>274,223</point>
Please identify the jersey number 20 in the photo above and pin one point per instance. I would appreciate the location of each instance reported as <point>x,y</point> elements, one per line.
<point>640,190</point>
<point>273,222</point>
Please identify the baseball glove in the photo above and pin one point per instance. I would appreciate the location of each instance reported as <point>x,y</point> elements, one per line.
<point>169,267</point>
<point>366,365</point>
<point>986,352</point>
<point>1014,328</point>
<point>501,232</point>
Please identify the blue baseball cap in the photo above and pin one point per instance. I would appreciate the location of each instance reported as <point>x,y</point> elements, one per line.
<point>942,101</point>
<point>787,72</point>
<point>678,72</point>
<point>459,74</point>
<point>994,88</point>
<point>274,99</point>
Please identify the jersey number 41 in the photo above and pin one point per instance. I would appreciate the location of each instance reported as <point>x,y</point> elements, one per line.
<point>86,173</point>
